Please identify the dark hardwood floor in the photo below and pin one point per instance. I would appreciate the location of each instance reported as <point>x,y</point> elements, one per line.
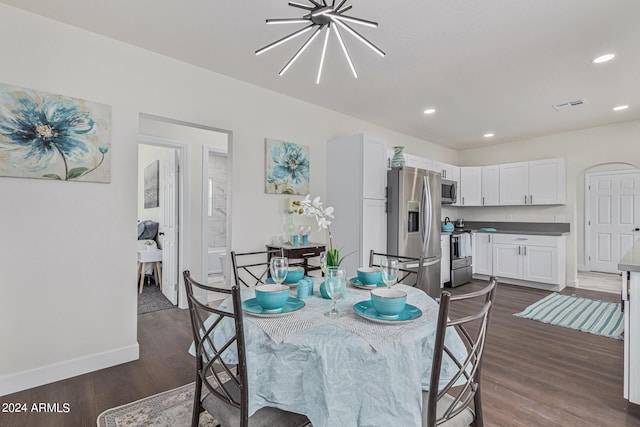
<point>164,338</point>
<point>534,374</point>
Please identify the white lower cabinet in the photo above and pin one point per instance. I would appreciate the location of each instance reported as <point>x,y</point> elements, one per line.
<point>445,261</point>
<point>482,254</point>
<point>521,259</point>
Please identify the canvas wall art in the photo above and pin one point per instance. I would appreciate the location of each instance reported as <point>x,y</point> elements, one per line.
<point>152,185</point>
<point>48,136</point>
<point>286,167</point>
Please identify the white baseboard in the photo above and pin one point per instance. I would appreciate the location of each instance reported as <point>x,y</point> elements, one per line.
<point>19,381</point>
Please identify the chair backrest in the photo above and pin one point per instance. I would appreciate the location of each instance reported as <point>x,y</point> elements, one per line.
<point>410,270</point>
<point>252,268</point>
<point>224,380</point>
<point>464,386</point>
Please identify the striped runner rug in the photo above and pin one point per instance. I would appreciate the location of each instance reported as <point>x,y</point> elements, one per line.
<point>587,315</point>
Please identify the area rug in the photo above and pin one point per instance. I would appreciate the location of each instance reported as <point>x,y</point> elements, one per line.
<point>152,299</point>
<point>168,409</point>
<point>587,315</point>
<point>171,408</point>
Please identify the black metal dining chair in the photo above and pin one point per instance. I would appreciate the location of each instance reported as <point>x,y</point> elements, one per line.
<point>226,394</point>
<point>451,405</point>
<point>252,268</point>
<point>410,271</point>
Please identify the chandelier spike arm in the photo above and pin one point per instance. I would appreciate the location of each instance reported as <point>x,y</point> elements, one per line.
<point>339,6</point>
<point>316,4</point>
<point>287,21</point>
<point>346,53</point>
<point>358,36</point>
<point>354,20</point>
<point>344,10</point>
<point>284,39</point>
<point>322,11</point>
<point>302,49</point>
<point>300,6</point>
<point>324,50</point>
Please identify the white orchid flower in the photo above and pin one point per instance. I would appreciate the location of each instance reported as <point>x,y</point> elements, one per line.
<point>323,223</point>
<point>328,211</point>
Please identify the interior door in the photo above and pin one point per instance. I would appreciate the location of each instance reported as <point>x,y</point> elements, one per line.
<point>614,218</point>
<point>170,227</point>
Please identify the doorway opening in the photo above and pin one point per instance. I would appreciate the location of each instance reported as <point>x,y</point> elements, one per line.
<point>179,149</point>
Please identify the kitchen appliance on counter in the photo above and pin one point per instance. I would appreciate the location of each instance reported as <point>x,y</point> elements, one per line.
<point>460,223</point>
<point>447,225</point>
<point>413,221</point>
<point>449,192</point>
<point>461,258</point>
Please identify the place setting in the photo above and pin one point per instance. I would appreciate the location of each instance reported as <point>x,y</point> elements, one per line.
<point>274,299</point>
<point>386,304</point>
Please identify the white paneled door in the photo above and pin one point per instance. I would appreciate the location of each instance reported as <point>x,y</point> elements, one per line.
<point>169,240</point>
<point>614,217</point>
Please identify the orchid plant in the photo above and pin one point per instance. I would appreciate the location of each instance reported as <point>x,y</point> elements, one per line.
<point>323,215</point>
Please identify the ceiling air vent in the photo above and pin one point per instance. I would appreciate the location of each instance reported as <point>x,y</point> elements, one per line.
<point>569,104</point>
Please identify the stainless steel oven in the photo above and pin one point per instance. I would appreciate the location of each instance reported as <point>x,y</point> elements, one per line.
<point>449,192</point>
<point>461,258</point>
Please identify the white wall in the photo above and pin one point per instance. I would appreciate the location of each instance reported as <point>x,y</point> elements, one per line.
<point>581,150</point>
<point>68,250</point>
<point>147,154</point>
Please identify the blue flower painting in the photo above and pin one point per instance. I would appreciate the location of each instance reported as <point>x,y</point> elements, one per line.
<point>49,136</point>
<point>287,167</point>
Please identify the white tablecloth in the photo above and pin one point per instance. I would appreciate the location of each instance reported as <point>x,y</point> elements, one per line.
<point>344,372</point>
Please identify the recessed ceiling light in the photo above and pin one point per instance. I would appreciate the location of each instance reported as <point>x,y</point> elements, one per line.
<point>604,58</point>
<point>620,107</point>
<point>429,111</point>
<point>488,135</point>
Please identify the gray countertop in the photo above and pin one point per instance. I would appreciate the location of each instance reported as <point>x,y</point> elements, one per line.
<point>531,228</point>
<point>631,260</point>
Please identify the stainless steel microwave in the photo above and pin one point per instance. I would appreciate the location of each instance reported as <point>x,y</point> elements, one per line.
<point>449,192</point>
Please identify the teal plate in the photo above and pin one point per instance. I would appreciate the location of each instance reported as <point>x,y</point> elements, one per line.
<point>252,307</point>
<point>365,309</point>
<point>358,284</point>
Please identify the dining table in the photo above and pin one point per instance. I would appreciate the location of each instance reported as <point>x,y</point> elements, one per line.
<point>354,370</point>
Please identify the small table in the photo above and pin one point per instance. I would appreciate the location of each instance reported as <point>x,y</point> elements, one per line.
<point>303,252</point>
<point>154,256</point>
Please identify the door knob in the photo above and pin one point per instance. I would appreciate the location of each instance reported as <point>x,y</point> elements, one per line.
<point>636,229</point>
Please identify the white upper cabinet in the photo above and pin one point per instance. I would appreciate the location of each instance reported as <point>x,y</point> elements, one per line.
<point>547,182</point>
<point>417,162</point>
<point>490,185</point>
<point>514,183</point>
<point>374,173</point>
<point>448,171</point>
<point>470,187</point>
<point>540,182</point>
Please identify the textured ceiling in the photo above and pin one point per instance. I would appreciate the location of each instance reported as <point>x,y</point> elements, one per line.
<point>495,66</point>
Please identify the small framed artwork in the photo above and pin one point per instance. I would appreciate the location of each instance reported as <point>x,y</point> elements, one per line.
<point>286,167</point>
<point>152,185</point>
<point>54,137</point>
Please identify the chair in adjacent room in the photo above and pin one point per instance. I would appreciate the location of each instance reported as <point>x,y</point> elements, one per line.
<point>411,268</point>
<point>226,394</point>
<point>458,403</point>
<point>252,268</point>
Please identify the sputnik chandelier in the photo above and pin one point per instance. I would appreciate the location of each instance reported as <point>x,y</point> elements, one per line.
<point>322,16</point>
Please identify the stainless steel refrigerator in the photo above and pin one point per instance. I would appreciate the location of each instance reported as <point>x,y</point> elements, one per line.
<point>413,220</point>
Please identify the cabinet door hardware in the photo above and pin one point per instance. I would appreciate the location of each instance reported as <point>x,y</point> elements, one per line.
<point>525,250</point>
<point>519,248</point>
